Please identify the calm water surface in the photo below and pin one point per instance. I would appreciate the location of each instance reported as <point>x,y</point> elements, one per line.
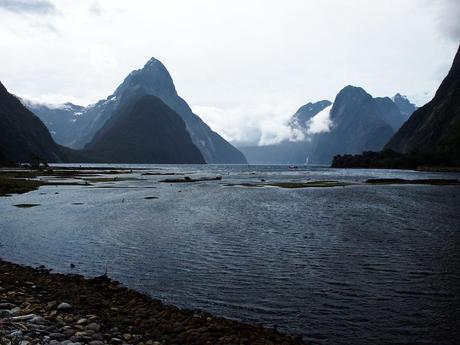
<point>347,265</point>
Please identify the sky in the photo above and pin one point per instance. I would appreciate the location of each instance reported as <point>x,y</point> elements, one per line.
<point>244,66</point>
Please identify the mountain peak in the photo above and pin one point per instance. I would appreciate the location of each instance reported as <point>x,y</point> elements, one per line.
<point>154,65</point>
<point>351,95</point>
<point>153,79</point>
<point>153,61</point>
<point>351,89</point>
<point>404,105</point>
<point>398,96</point>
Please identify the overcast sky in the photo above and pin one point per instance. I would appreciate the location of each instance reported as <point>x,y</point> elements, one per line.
<point>244,66</point>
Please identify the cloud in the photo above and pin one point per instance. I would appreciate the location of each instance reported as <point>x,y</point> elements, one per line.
<point>321,122</point>
<point>264,124</point>
<point>448,14</point>
<point>451,22</point>
<point>50,100</point>
<point>27,6</point>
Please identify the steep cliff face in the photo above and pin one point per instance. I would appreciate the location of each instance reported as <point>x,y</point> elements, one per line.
<point>144,130</point>
<point>435,127</point>
<point>23,137</point>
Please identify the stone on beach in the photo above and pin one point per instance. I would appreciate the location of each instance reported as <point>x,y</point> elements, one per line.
<point>64,306</point>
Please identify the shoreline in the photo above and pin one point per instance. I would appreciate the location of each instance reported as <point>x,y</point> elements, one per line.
<point>40,307</point>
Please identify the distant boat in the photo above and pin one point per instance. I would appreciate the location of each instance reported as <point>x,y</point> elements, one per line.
<point>306,160</point>
<point>293,167</point>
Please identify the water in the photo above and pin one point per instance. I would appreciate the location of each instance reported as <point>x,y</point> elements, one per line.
<point>347,265</point>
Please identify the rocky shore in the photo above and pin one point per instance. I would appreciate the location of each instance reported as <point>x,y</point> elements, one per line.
<point>39,307</point>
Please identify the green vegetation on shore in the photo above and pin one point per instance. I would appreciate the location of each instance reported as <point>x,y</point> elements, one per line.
<point>388,159</point>
<point>10,185</point>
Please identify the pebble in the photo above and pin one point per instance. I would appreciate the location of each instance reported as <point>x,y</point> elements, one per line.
<point>16,334</point>
<point>51,305</point>
<point>93,327</point>
<point>57,335</point>
<point>38,319</point>
<point>76,339</point>
<point>68,333</point>
<point>23,317</point>
<point>127,336</point>
<point>82,321</point>
<point>96,342</point>
<point>15,311</point>
<point>98,336</point>
<point>64,306</point>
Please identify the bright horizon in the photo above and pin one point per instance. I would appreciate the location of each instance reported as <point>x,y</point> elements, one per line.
<point>243,68</point>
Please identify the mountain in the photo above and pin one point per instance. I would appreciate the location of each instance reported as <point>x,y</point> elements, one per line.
<point>23,137</point>
<point>61,120</point>
<point>390,112</point>
<point>144,130</point>
<point>406,108</point>
<point>154,79</point>
<point>435,127</point>
<point>358,124</point>
<point>355,122</point>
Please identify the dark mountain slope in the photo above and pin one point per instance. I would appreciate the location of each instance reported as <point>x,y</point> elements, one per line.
<point>435,127</point>
<point>23,137</point>
<point>144,130</point>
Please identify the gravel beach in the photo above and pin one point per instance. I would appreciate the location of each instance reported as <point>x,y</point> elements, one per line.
<point>39,307</point>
